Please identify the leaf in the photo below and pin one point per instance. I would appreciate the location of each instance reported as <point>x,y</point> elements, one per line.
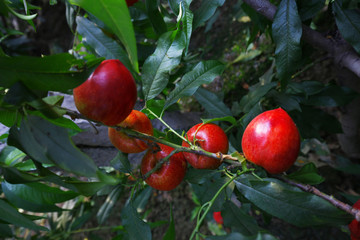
<point>198,176</point>
<point>58,72</point>
<point>174,5</point>
<point>133,224</point>
<point>157,67</point>
<point>36,197</point>
<point>238,219</point>
<point>229,119</point>
<point>202,73</point>
<point>205,11</point>
<point>170,232</point>
<point>142,198</point>
<point>48,143</point>
<point>103,45</point>
<point>238,236</point>
<point>12,216</point>
<point>121,163</point>
<point>254,96</point>
<point>307,175</point>
<point>107,207</point>
<point>308,9</point>
<point>186,23</point>
<point>290,203</point>
<point>348,22</point>
<point>8,117</point>
<point>287,31</point>
<point>212,104</point>
<point>5,231</point>
<point>115,15</point>
<point>155,17</point>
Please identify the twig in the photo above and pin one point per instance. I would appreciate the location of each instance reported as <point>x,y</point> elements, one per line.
<point>342,53</point>
<point>311,189</point>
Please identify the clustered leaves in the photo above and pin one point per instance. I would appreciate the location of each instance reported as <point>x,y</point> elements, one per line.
<point>54,183</point>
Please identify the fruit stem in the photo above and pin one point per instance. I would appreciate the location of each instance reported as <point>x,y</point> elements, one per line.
<point>207,206</point>
<point>167,125</point>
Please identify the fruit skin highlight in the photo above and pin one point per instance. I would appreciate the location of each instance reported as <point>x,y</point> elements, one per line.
<point>170,175</point>
<point>108,95</point>
<point>137,121</point>
<point>354,226</point>
<point>209,137</point>
<point>272,141</point>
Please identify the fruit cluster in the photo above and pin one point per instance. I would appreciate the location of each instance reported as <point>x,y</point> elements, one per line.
<point>271,140</point>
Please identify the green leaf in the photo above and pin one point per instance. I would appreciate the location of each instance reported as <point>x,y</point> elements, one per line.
<point>5,231</point>
<point>115,15</point>
<point>229,119</point>
<point>155,17</point>
<point>255,95</point>
<point>238,219</point>
<point>21,16</point>
<point>121,163</point>
<point>174,5</point>
<point>202,73</point>
<point>11,156</point>
<point>307,175</point>
<point>287,31</point>
<point>157,67</point>
<point>103,45</point>
<point>108,206</point>
<point>170,232</point>
<point>290,203</point>
<point>308,9</point>
<point>12,216</point>
<point>142,198</point>
<point>212,104</point>
<point>8,117</point>
<point>186,23</point>
<point>198,176</point>
<point>87,188</point>
<point>206,11</point>
<point>133,224</point>
<point>58,72</point>
<point>36,196</point>
<point>348,22</point>
<point>238,236</point>
<point>48,143</point>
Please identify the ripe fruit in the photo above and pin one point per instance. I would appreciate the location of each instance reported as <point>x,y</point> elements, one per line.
<point>108,95</point>
<point>137,121</point>
<point>218,218</point>
<point>354,226</point>
<point>209,137</point>
<point>170,174</point>
<point>131,2</point>
<point>272,140</point>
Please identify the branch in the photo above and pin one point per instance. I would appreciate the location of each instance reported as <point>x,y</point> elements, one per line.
<point>342,52</point>
<point>311,189</point>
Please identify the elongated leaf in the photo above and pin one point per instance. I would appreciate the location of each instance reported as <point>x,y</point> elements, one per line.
<point>348,22</point>
<point>56,72</point>
<point>103,45</point>
<point>36,196</point>
<point>186,21</point>
<point>121,162</point>
<point>174,5</point>
<point>155,17</point>
<point>115,15</point>
<point>203,73</point>
<point>170,232</point>
<point>239,220</point>
<point>287,31</point>
<point>238,236</point>
<point>12,216</point>
<point>157,67</point>
<point>205,11</point>
<point>5,231</point>
<point>290,203</point>
<point>47,143</point>
<point>212,104</point>
<point>307,175</point>
<point>308,9</point>
<point>107,207</point>
<point>254,96</point>
<point>133,224</point>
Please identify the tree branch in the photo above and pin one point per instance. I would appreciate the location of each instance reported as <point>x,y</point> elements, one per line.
<point>342,52</point>
<point>311,189</point>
